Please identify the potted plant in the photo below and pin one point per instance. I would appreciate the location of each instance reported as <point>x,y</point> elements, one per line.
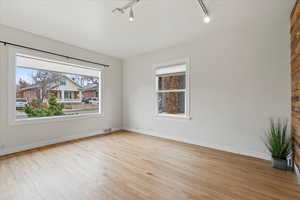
<point>278,143</point>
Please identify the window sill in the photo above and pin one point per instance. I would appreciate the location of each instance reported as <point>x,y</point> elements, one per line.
<point>54,119</point>
<point>170,116</point>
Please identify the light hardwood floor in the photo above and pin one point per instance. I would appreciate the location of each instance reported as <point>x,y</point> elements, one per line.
<point>129,166</point>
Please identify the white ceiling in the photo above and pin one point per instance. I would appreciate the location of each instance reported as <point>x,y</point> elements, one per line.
<point>159,23</point>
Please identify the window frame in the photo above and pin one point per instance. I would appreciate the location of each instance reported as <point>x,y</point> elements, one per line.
<point>12,52</point>
<point>185,61</point>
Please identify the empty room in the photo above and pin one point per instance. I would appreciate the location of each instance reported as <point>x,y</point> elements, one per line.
<point>149,100</point>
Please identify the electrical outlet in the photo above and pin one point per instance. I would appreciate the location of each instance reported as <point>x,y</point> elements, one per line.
<point>108,130</point>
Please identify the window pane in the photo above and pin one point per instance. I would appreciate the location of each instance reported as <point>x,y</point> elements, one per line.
<point>171,82</point>
<point>171,103</point>
<point>41,93</point>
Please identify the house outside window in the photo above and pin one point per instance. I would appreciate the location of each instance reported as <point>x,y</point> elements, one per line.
<point>172,89</point>
<point>48,88</point>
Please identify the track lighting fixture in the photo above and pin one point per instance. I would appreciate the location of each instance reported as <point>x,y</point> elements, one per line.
<point>206,18</point>
<point>128,6</point>
<point>132,3</point>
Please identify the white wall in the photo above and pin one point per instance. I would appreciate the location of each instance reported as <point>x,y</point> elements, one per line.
<point>20,137</point>
<point>239,79</point>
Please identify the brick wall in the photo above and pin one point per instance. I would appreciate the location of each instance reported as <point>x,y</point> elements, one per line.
<point>295,70</point>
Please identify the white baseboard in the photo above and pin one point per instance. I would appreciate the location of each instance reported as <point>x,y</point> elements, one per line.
<point>142,131</point>
<point>52,141</point>
<point>212,146</point>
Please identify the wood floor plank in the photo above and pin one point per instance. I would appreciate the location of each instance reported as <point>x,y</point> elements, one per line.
<point>132,166</point>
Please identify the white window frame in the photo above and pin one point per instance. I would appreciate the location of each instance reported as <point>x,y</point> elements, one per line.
<point>2,91</point>
<point>12,52</point>
<point>187,62</point>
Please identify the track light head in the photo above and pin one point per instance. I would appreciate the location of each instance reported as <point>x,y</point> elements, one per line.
<point>127,6</point>
<point>206,19</point>
<point>131,15</point>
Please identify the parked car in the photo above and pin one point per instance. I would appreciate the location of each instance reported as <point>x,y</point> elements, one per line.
<point>20,103</point>
<point>93,101</point>
<point>85,100</point>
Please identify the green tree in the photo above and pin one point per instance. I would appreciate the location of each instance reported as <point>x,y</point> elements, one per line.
<point>54,109</point>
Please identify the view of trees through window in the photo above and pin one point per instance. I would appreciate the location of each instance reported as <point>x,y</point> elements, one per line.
<point>171,94</point>
<point>41,93</point>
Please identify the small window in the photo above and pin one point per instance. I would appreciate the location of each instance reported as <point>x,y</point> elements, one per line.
<point>47,88</point>
<point>172,92</point>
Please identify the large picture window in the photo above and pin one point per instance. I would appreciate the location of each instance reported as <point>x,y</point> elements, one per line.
<point>172,92</point>
<point>47,88</point>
